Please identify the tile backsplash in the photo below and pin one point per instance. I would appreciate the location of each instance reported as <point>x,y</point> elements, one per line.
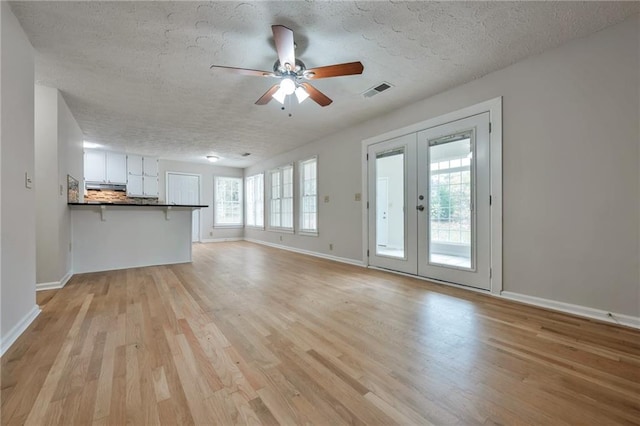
<point>105,195</point>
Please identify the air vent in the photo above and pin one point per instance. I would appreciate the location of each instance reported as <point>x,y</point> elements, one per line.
<point>377,89</point>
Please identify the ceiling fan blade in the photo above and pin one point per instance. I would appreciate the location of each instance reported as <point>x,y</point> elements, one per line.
<point>319,97</point>
<point>264,99</point>
<point>349,68</point>
<point>285,46</point>
<point>244,71</point>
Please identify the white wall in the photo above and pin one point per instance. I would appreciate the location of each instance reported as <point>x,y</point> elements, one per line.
<point>206,172</point>
<point>58,152</point>
<point>338,178</point>
<point>46,161</point>
<point>70,161</point>
<point>17,203</point>
<point>570,171</point>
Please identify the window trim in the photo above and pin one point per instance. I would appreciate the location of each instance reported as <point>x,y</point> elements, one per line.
<point>215,203</point>
<point>307,232</point>
<point>280,170</point>
<point>246,216</point>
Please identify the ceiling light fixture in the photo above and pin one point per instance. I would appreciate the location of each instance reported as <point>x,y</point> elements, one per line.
<point>87,144</point>
<point>212,158</point>
<point>279,95</point>
<point>288,86</point>
<point>301,94</point>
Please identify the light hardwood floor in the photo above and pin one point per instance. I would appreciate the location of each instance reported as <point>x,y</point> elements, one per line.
<point>250,334</point>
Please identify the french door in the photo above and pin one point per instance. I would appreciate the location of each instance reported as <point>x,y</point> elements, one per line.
<point>429,208</point>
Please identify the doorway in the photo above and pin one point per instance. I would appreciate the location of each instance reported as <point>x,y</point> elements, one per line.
<point>430,202</point>
<point>183,188</point>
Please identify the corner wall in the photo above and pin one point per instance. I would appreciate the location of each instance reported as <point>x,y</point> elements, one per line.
<point>17,203</point>
<point>570,171</point>
<point>58,152</point>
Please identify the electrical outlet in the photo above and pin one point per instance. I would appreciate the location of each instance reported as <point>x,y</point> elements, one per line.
<point>326,198</point>
<point>330,246</point>
<point>280,237</point>
<point>358,196</point>
<point>211,233</point>
<point>69,246</point>
<point>61,190</point>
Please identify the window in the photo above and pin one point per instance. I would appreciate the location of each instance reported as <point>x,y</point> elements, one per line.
<point>228,201</point>
<point>255,200</point>
<point>309,196</point>
<point>281,198</point>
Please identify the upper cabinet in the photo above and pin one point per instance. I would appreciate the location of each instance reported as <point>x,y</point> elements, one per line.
<point>116,167</point>
<point>95,166</point>
<point>134,165</point>
<point>105,167</point>
<point>142,176</point>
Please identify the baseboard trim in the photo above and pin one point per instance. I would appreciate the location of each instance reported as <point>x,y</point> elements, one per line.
<point>220,240</point>
<point>583,311</point>
<point>308,252</point>
<point>18,329</point>
<point>55,285</point>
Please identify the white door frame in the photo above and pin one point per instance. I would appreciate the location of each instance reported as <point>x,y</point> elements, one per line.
<point>166,196</point>
<point>494,107</point>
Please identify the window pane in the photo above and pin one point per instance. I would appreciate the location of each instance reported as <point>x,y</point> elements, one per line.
<point>228,205</point>
<point>450,216</point>
<point>390,203</point>
<point>281,201</point>
<point>308,191</point>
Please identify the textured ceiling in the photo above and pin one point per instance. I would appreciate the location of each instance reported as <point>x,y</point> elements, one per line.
<point>136,74</point>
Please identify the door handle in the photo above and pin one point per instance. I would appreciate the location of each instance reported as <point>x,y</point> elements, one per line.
<point>420,207</point>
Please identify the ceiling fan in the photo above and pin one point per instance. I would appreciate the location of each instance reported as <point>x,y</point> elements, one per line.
<point>292,72</point>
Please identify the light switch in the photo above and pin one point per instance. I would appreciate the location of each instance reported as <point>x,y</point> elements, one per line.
<point>326,198</point>
<point>358,196</point>
<point>28,182</point>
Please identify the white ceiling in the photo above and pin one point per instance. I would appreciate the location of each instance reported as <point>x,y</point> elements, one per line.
<point>136,74</point>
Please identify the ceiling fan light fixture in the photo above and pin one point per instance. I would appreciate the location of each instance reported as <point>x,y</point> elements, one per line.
<point>279,96</point>
<point>212,158</point>
<point>301,94</point>
<point>288,86</point>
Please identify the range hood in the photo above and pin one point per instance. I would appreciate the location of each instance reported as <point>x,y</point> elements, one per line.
<point>106,186</point>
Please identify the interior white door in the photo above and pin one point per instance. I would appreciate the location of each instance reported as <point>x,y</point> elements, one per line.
<point>454,226</point>
<point>392,226</point>
<point>185,189</point>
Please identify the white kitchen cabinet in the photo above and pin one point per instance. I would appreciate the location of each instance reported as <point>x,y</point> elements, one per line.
<point>142,174</point>
<point>150,166</point>
<point>105,167</point>
<point>134,165</point>
<point>116,167</point>
<point>135,187</point>
<point>95,166</point>
<point>150,186</point>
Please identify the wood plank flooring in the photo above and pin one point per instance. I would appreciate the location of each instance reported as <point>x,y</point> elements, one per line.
<point>248,334</point>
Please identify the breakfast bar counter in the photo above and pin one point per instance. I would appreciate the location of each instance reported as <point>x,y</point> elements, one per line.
<point>108,236</point>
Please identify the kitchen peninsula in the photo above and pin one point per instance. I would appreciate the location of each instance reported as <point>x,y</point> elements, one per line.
<point>119,235</point>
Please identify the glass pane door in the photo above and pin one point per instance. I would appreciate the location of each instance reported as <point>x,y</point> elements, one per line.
<point>453,187</point>
<point>390,235</point>
<point>392,221</point>
<point>451,227</point>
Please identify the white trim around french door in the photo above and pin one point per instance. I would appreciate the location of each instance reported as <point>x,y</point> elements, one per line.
<point>442,206</point>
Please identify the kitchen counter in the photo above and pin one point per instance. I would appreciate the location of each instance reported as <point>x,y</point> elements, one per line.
<point>119,235</point>
<point>111,203</point>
